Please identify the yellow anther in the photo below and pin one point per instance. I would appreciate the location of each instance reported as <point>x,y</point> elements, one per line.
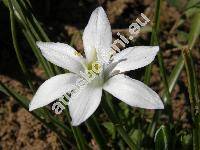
<point>96,67</point>
<point>77,53</point>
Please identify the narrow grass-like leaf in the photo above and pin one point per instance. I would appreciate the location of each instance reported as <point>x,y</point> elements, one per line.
<point>16,47</point>
<point>195,30</point>
<point>110,128</point>
<point>26,25</point>
<point>38,31</point>
<point>162,138</point>
<point>153,39</point>
<point>36,51</point>
<point>193,36</point>
<point>80,140</point>
<point>96,132</point>
<point>194,97</point>
<point>111,113</point>
<point>137,137</point>
<point>23,101</point>
<point>192,7</point>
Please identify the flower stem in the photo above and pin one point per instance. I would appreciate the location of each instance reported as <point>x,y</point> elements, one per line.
<point>154,40</point>
<point>96,132</point>
<point>110,111</point>
<point>80,140</point>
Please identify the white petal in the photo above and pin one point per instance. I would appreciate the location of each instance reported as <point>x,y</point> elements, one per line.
<point>108,71</point>
<point>97,36</point>
<point>133,92</point>
<point>83,105</point>
<point>53,89</point>
<point>62,55</point>
<point>136,57</point>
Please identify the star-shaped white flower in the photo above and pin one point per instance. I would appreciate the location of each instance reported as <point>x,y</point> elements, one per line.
<point>97,40</point>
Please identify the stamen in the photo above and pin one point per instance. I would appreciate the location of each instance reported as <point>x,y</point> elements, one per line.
<point>77,53</point>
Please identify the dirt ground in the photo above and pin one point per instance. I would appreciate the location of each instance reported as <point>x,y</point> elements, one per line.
<point>21,131</point>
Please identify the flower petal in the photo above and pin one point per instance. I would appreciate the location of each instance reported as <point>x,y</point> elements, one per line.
<point>133,92</point>
<point>62,55</point>
<point>85,102</point>
<point>136,57</point>
<point>97,36</point>
<point>108,71</point>
<point>53,89</point>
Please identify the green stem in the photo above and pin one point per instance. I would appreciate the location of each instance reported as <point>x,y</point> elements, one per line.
<point>93,126</point>
<point>80,140</point>
<point>96,132</point>
<point>109,110</point>
<point>153,39</point>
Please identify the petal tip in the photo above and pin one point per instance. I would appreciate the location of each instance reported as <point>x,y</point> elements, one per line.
<point>38,43</point>
<point>156,48</point>
<point>75,123</point>
<point>160,105</point>
<point>100,8</point>
<point>31,108</point>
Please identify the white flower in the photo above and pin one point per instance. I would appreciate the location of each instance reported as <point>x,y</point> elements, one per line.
<point>97,40</point>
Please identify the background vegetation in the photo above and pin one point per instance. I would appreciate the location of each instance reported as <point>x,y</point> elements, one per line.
<point>174,26</point>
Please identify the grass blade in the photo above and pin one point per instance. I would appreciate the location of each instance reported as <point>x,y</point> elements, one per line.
<point>96,132</point>
<point>153,39</point>
<point>193,96</point>
<point>162,138</point>
<point>109,110</point>
<point>25,103</point>
<point>16,47</point>
<point>193,36</point>
<point>80,140</point>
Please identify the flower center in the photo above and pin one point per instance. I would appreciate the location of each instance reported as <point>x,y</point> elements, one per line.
<point>94,66</point>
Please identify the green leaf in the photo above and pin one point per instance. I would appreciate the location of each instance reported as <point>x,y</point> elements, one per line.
<point>17,49</point>
<point>182,36</point>
<point>176,3</point>
<point>111,113</point>
<point>193,6</point>
<point>195,30</point>
<point>186,140</point>
<point>193,96</point>
<point>154,40</point>
<point>161,138</point>
<point>193,36</point>
<point>125,109</point>
<point>96,132</point>
<point>25,20</point>
<point>24,102</point>
<point>110,128</point>
<point>80,140</point>
<point>137,137</point>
